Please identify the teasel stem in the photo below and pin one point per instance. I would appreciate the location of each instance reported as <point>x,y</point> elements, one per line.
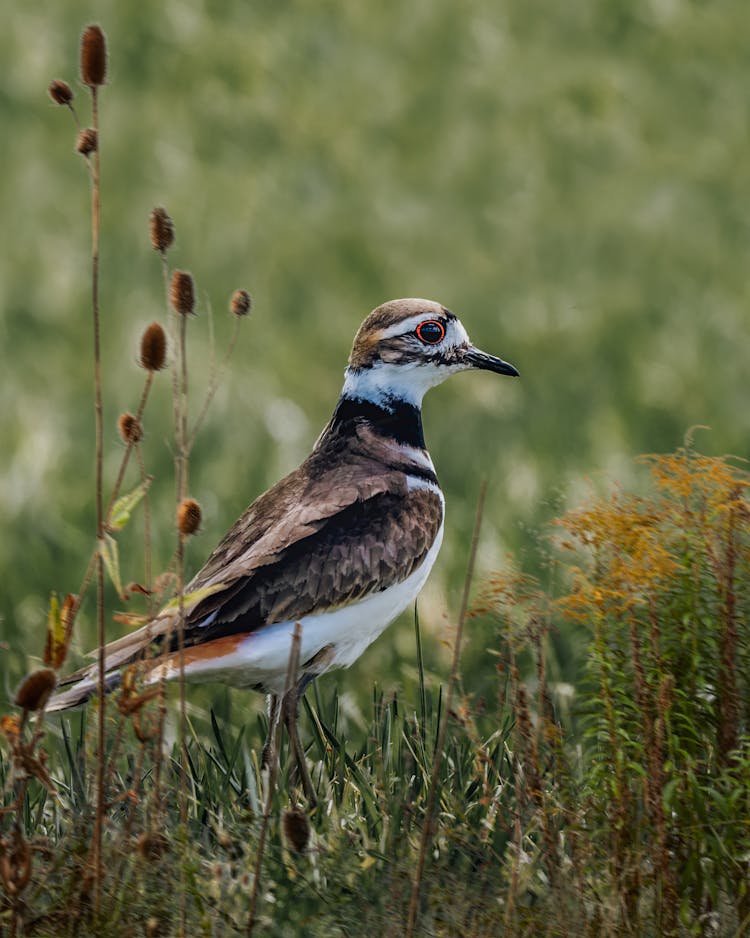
<point>181,494</point>
<point>180,295</point>
<point>98,414</point>
<point>93,562</point>
<point>129,446</point>
<point>183,726</point>
<point>213,384</point>
<point>146,526</point>
<point>442,730</point>
<point>183,442</point>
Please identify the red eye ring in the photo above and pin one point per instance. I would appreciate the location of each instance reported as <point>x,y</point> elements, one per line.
<point>431,331</point>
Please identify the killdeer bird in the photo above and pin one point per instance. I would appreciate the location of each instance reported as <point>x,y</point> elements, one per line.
<point>342,545</point>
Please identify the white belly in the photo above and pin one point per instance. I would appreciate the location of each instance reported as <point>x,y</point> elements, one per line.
<point>261,658</point>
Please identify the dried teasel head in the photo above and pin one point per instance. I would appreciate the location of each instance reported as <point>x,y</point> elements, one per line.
<point>162,229</point>
<point>240,304</point>
<point>93,56</point>
<point>188,516</point>
<point>296,829</point>
<point>130,427</point>
<point>34,690</point>
<point>153,347</point>
<point>60,92</point>
<point>182,293</point>
<point>87,141</point>
<point>152,845</point>
<point>15,862</point>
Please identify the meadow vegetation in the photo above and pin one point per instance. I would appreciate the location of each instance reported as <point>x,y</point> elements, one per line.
<point>585,767</point>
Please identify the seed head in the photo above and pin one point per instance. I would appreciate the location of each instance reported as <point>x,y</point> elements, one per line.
<point>60,92</point>
<point>35,689</point>
<point>188,516</point>
<point>86,142</point>
<point>153,347</point>
<point>241,303</point>
<point>162,230</point>
<point>15,862</point>
<point>296,829</point>
<point>182,293</point>
<point>93,56</point>
<point>152,845</point>
<point>130,428</point>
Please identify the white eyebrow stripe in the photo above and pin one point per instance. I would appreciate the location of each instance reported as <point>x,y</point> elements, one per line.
<point>454,329</point>
<point>405,325</point>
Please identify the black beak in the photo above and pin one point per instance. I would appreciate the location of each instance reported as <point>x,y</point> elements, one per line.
<point>478,359</point>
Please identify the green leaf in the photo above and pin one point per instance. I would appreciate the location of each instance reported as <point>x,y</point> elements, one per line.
<point>59,630</point>
<point>120,514</point>
<point>669,791</point>
<point>110,554</point>
<point>193,598</point>
<point>55,631</point>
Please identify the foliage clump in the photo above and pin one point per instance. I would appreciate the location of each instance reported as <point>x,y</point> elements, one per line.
<point>663,584</point>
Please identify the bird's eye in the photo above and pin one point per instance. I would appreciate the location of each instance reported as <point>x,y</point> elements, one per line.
<point>431,331</point>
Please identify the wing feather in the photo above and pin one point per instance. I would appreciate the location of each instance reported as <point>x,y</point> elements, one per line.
<point>342,524</point>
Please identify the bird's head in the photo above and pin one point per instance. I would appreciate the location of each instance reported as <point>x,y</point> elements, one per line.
<point>407,346</point>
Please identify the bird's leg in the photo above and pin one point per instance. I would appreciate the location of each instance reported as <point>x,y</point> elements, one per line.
<point>291,713</point>
<point>268,754</point>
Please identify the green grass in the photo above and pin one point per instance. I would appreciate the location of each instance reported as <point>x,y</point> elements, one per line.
<point>627,815</point>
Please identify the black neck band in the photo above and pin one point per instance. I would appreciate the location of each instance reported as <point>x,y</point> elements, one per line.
<point>399,420</point>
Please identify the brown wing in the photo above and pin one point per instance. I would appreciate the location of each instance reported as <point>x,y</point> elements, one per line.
<point>339,473</point>
<point>366,547</point>
<point>331,478</point>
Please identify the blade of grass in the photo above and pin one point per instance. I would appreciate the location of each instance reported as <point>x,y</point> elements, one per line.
<point>420,666</point>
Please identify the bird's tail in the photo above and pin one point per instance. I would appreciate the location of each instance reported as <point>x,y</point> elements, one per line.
<point>82,685</point>
<point>82,690</point>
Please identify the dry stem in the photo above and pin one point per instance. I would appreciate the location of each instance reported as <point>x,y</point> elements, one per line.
<point>95,224</point>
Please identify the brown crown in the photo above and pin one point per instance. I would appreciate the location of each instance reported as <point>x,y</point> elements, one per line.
<point>365,347</point>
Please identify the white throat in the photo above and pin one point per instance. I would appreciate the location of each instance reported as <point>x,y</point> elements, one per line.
<point>384,382</point>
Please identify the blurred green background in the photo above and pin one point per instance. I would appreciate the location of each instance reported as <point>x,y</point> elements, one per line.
<point>572,179</point>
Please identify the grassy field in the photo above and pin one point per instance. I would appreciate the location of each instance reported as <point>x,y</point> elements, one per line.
<point>444,814</point>
<point>572,182</point>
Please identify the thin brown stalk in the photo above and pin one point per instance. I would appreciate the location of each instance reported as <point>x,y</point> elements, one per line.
<point>183,725</point>
<point>128,449</point>
<point>182,445</point>
<point>168,636</point>
<point>427,827</point>
<point>183,438</point>
<point>93,561</point>
<point>181,465</point>
<point>213,384</point>
<point>289,684</point>
<point>146,527</point>
<point>95,225</point>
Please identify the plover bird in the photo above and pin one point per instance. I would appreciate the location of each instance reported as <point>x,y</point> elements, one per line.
<point>342,545</point>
